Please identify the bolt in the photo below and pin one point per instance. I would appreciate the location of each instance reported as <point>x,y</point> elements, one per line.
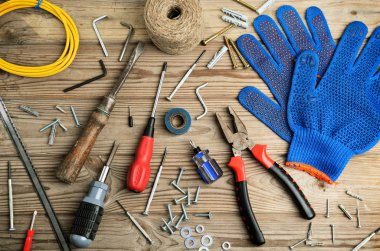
<point>170,212</point>
<point>296,244</point>
<point>332,233</point>
<point>177,201</point>
<point>75,116</point>
<point>316,244</point>
<point>176,186</point>
<point>180,175</point>
<point>60,109</point>
<point>208,215</point>
<point>345,211</point>
<point>179,221</point>
<point>184,212</point>
<point>29,110</point>
<point>49,125</point>
<point>62,126</point>
<point>197,195</point>
<point>358,218</point>
<point>171,221</point>
<point>349,193</point>
<point>167,226</point>
<point>188,198</point>
<point>327,208</point>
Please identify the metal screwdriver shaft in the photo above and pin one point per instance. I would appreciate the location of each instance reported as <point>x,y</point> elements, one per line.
<point>10,198</point>
<point>29,234</point>
<point>146,211</point>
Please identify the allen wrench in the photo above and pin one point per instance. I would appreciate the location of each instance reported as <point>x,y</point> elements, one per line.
<point>104,73</point>
<point>98,34</point>
<point>130,34</point>
<point>201,100</point>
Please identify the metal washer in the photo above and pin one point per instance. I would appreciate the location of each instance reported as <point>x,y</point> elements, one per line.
<point>203,248</point>
<point>190,243</point>
<point>183,232</point>
<point>226,245</point>
<point>199,229</point>
<point>205,242</point>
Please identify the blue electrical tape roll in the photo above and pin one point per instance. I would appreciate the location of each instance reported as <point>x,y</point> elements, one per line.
<point>185,117</point>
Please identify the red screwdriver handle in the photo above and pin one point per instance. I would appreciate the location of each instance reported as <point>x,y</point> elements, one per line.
<point>28,239</point>
<point>139,171</point>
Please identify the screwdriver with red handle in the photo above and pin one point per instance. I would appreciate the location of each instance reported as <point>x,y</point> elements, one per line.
<point>139,171</point>
<point>29,234</point>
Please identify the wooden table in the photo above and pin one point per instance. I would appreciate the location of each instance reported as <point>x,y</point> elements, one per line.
<point>28,36</point>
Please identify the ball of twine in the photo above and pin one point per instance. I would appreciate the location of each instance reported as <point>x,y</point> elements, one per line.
<point>175,26</point>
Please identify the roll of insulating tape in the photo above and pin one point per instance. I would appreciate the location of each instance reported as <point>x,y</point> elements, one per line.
<point>178,121</point>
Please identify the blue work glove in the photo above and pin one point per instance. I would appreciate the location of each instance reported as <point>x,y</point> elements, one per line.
<point>340,117</point>
<point>276,67</point>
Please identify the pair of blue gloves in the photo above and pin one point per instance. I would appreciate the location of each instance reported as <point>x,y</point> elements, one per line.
<point>328,96</point>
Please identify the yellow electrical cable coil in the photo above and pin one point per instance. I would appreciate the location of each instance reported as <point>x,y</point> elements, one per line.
<point>69,52</point>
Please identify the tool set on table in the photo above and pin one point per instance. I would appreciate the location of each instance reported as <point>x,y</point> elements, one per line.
<point>326,106</point>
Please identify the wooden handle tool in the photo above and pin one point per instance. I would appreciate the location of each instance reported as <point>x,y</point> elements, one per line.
<point>72,164</point>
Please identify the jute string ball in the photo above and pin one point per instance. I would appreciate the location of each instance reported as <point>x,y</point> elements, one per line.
<point>175,26</point>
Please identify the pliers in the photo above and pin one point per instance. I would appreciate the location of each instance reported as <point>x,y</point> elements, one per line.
<point>241,141</point>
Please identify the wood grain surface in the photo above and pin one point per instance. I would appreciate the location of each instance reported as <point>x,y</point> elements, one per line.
<point>36,37</point>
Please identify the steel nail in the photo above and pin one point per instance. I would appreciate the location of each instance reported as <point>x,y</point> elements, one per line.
<point>180,175</point>
<point>208,215</point>
<point>296,244</point>
<point>176,186</point>
<point>197,195</point>
<point>184,212</point>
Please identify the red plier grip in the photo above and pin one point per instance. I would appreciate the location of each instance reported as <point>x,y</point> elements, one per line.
<point>246,213</point>
<point>260,153</point>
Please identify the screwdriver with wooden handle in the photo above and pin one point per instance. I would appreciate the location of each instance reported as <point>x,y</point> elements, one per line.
<point>72,164</point>
<point>139,171</point>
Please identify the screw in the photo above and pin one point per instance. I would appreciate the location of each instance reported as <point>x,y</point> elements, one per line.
<point>345,211</point>
<point>176,186</point>
<point>75,116</point>
<point>167,226</point>
<point>177,201</point>
<point>60,109</point>
<point>309,234</point>
<point>296,244</point>
<point>49,125</point>
<point>197,195</point>
<point>170,212</point>
<point>358,218</point>
<point>180,175</point>
<point>332,233</point>
<point>184,212</point>
<point>242,59</point>
<point>316,244</point>
<point>208,215</point>
<point>52,134</point>
<point>188,197</point>
<point>62,126</point>
<point>130,117</point>
<point>327,208</point>
<point>204,42</point>
<point>29,110</point>
<point>232,56</point>
<point>170,222</point>
<point>349,193</point>
<point>179,221</point>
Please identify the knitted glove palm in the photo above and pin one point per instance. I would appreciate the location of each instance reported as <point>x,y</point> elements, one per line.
<point>276,67</point>
<point>341,116</point>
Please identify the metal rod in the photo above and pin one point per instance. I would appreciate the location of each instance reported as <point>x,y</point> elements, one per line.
<point>154,187</point>
<point>106,168</point>
<point>164,67</point>
<point>136,223</point>
<point>98,34</point>
<point>10,198</point>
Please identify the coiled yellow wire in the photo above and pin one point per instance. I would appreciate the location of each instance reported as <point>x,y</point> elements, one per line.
<point>69,52</point>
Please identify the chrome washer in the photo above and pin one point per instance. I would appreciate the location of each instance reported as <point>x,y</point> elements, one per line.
<point>226,245</point>
<point>190,243</point>
<point>206,240</point>
<point>199,229</point>
<point>185,232</point>
<point>203,248</point>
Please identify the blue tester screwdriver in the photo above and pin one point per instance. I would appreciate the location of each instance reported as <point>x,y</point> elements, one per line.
<point>208,168</point>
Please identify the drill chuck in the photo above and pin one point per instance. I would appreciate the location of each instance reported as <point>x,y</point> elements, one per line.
<point>208,168</point>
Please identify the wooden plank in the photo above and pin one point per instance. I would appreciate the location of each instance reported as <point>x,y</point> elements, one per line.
<point>30,37</point>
